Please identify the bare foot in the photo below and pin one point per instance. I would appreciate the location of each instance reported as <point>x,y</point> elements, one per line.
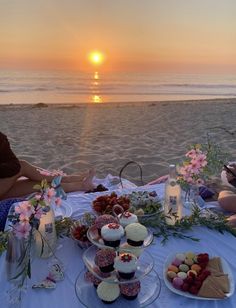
<point>75,177</point>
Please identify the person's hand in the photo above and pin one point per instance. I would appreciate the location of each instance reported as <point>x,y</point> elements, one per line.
<point>232,220</point>
<point>160,180</point>
<point>229,176</point>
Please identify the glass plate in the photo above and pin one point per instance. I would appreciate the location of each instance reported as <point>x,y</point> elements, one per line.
<point>150,290</point>
<point>96,239</point>
<point>64,210</point>
<point>225,267</point>
<point>145,265</point>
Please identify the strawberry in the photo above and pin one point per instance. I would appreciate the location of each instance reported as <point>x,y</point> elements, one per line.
<point>185,286</point>
<point>197,284</point>
<point>193,290</point>
<point>188,280</point>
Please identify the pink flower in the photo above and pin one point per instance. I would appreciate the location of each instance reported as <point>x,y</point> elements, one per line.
<point>195,166</point>
<point>192,153</point>
<point>22,230</point>
<point>24,218</point>
<point>37,197</point>
<point>24,208</point>
<point>50,193</point>
<point>58,201</point>
<point>202,160</point>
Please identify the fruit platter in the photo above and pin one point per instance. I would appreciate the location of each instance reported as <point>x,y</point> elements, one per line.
<point>142,203</point>
<point>198,276</point>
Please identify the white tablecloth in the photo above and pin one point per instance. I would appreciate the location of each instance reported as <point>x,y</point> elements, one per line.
<point>70,254</point>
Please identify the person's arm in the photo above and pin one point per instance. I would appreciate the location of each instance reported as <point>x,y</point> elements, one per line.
<point>227,200</point>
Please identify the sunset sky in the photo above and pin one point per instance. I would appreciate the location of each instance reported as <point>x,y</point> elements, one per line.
<point>134,35</point>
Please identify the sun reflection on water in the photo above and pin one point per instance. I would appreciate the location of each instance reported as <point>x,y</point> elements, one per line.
<point>95,89</point>
<point>96,99</point>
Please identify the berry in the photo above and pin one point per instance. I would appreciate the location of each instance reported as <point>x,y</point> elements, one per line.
<point>193,290</point>
<point>185,286</point>
<point>188,280</point>
<point>197,284</point>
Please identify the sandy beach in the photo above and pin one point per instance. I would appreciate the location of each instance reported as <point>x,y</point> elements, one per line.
<point>76,137</point>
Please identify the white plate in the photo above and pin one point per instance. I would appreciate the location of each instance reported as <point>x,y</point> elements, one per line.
<point>64,210</point>
<point>226,270</point>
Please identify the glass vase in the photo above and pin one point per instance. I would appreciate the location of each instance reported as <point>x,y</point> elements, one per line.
<point>193,198</point>
<point>16,258</point>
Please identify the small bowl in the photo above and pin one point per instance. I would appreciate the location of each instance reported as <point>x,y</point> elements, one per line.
<point>81,244</point>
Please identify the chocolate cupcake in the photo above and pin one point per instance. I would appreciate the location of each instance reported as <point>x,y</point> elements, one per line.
<point>136,233</point>
<point>126,265</point>
<point>111,234</point>
<point>130,290</point>
<point>90,277</point>
<point>104,220</point>
<point>127,218</point>
<point>104,259</point>
<point>108,292</point>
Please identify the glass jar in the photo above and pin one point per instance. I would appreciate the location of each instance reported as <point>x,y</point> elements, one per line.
<point>16,257</point>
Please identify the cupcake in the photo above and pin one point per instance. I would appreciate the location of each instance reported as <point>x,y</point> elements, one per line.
<point>136,233</point>
<point>126,265</point>
<point>90,277</point>
<point>108,292</point>
<point>111,234</point>
<point>125,247</point>
<point>104,220</point>
<point>130,290</point>
<point>104,259</point>
<point>127,218</point>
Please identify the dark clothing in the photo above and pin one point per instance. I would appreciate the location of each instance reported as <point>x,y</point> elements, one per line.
<point>5,205</point>
<point>9,163</point>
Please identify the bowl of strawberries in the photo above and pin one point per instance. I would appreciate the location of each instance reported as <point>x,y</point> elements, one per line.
<point>104,204</point>
<point>79,228</point>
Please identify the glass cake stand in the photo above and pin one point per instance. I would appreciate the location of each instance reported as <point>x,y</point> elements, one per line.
<point>150,290</point>
<point>97,240</point>
<point>145,265</point>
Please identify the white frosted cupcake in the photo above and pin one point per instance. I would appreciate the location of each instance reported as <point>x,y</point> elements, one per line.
<point>126,265</point>
<point>127,218</point>
<point>108,292</point>
<point>137,251</point>
<point>112,233</point>
<point>136,233</point>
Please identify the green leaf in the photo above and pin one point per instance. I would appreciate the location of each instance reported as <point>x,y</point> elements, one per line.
<point>37,187</point>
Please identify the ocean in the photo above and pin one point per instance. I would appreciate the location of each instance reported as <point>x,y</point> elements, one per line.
<point>70,87</point>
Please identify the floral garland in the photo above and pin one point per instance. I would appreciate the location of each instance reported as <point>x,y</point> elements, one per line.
<point>206,218</point>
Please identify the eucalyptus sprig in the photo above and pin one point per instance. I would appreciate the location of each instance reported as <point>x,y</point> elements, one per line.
<point>213,221</point>
<point>3,241</point>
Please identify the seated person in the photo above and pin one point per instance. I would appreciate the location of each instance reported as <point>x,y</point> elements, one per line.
<point>227,198</point>
<point>13,186</point>
<point>11,169</point>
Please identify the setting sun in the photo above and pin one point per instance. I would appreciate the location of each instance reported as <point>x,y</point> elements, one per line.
<point>96,57</point>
